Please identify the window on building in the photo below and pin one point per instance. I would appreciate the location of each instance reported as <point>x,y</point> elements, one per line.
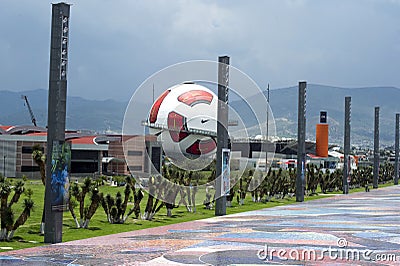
<point>135,168</point>
<point>135,153</point>
<point>29,168</point>
<point>83,167</point>
<point>27,149</point>
<point>84,155</point>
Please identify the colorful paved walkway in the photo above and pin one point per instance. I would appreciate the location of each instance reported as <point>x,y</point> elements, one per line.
<point>358,229</point>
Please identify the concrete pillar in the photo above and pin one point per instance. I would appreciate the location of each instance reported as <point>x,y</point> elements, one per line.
<point>346,165</point>
<point>301,142</point>
<point>396,150</point>
<point>56,115</point>
<point>376,149</point>
<point>222,130</point>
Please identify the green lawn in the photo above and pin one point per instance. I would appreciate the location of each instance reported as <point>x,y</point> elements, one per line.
<point>28,234</point>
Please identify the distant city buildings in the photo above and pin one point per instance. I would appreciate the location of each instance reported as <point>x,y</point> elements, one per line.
<point>114,154</point>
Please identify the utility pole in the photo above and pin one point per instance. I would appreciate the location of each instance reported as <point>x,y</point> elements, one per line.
<point>222,131</point>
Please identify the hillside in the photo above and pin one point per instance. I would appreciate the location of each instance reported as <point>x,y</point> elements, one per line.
<point>363,100</point>
<point>81,113</point>
<point>108,114</point>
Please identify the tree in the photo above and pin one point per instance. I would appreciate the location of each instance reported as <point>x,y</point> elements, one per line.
<point>71,206</point>
<point>28,206</point>
<point>80,193</point>
<point>244,185</point>
<point>40,159</point>
<point>312,181</point>
<point>115,208</point>
<point>149,204</point>
<point>8,226</point>
<point>95,199</point>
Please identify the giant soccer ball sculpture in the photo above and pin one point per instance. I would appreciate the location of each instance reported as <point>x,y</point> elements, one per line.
<point>184,119</point>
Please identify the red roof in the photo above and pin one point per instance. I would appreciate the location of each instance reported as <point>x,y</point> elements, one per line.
<point>37,134</point>
<point>5,128</point>
<point>83,140</point>
<point>313,156</point>
<point>77,140</point>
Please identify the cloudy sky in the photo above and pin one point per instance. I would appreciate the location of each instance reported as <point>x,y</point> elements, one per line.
<point>115,45</point>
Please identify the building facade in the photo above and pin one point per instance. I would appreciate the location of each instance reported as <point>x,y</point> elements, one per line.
<point>91,155</point>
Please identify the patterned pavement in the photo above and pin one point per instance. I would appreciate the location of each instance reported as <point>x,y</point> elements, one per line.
<point>358,229</point>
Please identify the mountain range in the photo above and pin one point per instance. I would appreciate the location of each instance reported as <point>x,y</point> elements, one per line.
<point>107,115</point>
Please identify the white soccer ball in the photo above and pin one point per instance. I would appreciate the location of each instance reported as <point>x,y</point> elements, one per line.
<point>184,119</point>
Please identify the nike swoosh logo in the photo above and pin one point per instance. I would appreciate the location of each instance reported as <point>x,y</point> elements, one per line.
<point>204,120</point>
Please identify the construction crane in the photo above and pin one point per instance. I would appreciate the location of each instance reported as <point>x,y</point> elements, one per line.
<point>33,119</point>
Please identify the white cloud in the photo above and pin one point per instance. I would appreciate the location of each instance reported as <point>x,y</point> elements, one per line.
<point>118,44</point>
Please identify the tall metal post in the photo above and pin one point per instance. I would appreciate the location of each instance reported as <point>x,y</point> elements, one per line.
<point>222,130</point>
<point>376,148</point>
<point>301,142</point>
<point>56,112</point>
<point>396,150</point>
<point>266,149</point>
<point>346,168</point>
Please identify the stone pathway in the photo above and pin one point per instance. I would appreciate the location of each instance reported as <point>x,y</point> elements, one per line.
<point>359,229</point>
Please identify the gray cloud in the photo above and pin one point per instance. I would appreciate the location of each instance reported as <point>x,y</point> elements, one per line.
<point>116,45</point>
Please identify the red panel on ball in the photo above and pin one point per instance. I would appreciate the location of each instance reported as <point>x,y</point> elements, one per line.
<point>156,106</point>
<point>194,97</point>
<point>202,147</point>
<point>176,126</point>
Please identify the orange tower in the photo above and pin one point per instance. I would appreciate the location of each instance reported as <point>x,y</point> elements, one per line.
<point>322,135</point>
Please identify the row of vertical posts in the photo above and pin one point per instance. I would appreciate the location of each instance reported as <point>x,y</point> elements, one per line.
<point>301,154</point>
<point>57,115</point>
